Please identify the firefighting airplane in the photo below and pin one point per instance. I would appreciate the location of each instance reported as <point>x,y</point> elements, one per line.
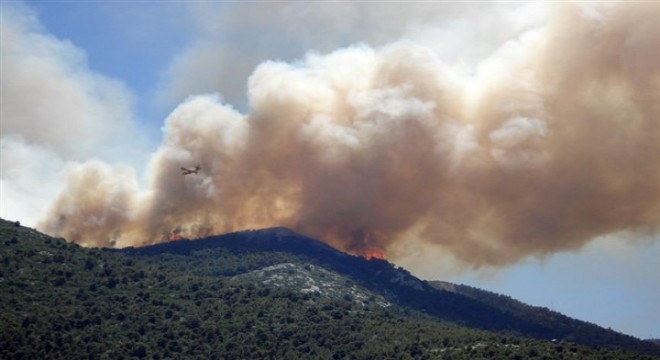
<point>185,171</point>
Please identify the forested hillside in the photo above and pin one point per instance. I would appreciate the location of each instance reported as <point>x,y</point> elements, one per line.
<point>396,284</point>
<point>61,301</point>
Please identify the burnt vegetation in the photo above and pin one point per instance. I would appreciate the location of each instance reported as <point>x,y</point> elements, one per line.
<point>193,299</point>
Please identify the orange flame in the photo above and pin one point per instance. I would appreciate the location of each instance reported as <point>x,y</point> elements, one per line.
<point>175,234</point>
<point>373,254</point>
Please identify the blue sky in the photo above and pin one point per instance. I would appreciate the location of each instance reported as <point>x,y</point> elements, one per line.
<point>130,41</point>
<point>139,60</point>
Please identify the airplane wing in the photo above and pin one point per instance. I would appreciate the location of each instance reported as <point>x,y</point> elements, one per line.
<point>186,171</point>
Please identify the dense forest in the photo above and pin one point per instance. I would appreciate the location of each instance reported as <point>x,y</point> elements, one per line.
<point>61,301</point>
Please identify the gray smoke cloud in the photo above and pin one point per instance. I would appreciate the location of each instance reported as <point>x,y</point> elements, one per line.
<point>552,142</point>
<point>218,60</point>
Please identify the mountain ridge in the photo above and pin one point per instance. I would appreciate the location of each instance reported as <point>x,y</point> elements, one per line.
<point>58,299</point>
<point>404,289</point>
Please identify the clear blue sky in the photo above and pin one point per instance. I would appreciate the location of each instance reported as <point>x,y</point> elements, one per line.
<point>159,53</point>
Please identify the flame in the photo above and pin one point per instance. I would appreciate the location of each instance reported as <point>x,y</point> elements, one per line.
<point>176,234</point>
<point>373,254</point>
<point>196,231</point>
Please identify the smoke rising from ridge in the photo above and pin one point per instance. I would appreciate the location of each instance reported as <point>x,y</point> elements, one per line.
<point>552,143</point>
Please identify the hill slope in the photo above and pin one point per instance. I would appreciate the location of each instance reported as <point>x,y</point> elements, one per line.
<point>566,328</point>
<point>223,298</point>
<point>398,286</point>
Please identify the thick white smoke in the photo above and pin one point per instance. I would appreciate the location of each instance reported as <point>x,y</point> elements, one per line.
<point>546,144</point>
<point>232,40</point>
<point>550,144</point>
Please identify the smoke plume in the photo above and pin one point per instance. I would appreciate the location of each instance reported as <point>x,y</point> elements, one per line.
<point>53,109</point>
<point>552,142</point>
